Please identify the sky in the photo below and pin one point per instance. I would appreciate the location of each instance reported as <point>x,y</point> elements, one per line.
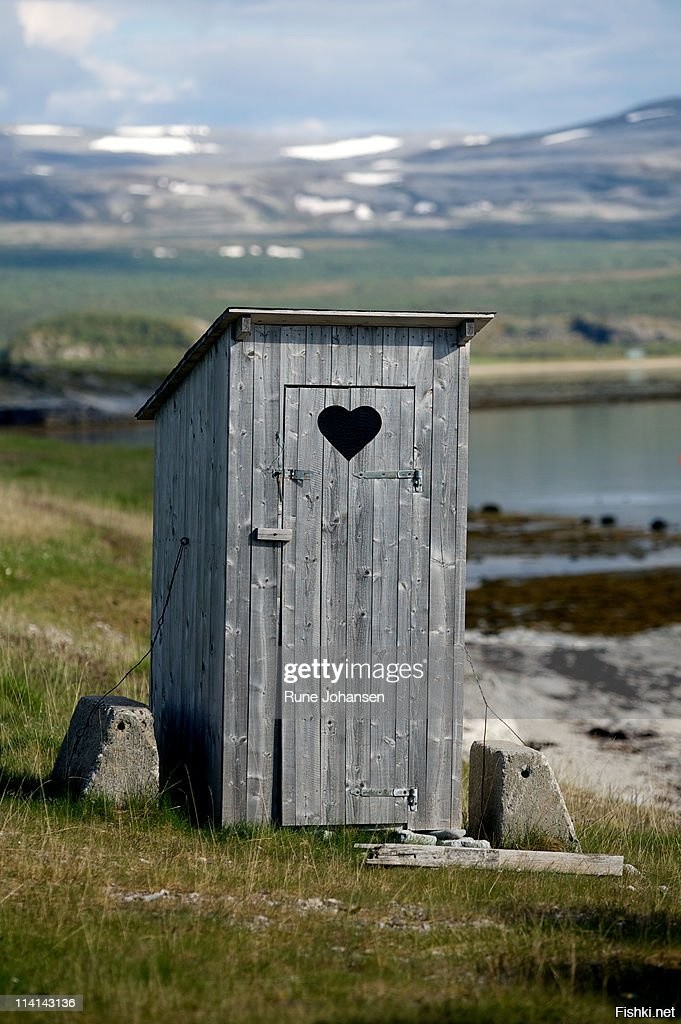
<point>315,69</point>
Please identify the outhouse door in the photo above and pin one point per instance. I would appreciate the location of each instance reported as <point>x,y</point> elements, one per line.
<point>354,600</point>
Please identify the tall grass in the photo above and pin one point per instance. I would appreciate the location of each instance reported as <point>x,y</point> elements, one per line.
<point>152,919</point>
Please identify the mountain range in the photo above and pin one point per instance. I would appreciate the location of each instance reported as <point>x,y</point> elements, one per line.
<point>616,177</point>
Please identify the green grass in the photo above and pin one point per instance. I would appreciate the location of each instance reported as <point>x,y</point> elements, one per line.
<point>110,342</point>
<point>110,476</point>
<point>522,278</point>
<point>257,925</point>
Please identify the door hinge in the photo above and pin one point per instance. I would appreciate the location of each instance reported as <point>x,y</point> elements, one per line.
<point>410,794</point>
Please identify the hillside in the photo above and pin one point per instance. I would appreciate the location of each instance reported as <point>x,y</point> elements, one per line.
<point>617,177</point>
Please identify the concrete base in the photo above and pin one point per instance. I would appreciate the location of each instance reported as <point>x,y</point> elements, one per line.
<point>513,798</point>
<point>109,751</point>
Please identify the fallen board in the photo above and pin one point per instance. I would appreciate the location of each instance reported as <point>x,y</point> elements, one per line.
<point>391,855</point>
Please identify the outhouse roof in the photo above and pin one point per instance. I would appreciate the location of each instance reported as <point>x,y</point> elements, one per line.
<point>301,317</point>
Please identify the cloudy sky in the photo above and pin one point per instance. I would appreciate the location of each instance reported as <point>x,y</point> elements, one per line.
<point>324,67</point>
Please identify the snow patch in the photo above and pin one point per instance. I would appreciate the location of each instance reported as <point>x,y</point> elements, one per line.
<point>372,178</point>
<point>651,114</point>
<point>424,207</point>
<point>344,148</point>
<point>152,145</point>
<point>364,212</point>
<point>184,188</point>
<point>164,252</point>
<point>285,252</point>
<point>572,135</point>
<point>477,140</point>
<point>318,206</point>
<point>232,252</point>
<point>158,131</point>
<point>45,130</point>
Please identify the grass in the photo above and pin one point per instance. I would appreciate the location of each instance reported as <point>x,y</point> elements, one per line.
<point>521,278</point>
<point>150,918</point>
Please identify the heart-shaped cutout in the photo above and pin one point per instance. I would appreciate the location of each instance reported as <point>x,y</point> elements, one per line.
<point>349,430</point>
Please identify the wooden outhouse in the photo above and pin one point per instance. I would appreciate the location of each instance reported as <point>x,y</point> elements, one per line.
<point>309,665</point>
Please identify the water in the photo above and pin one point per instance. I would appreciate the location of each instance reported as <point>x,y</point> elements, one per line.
<point>498,567</point>
<point>582,460</point>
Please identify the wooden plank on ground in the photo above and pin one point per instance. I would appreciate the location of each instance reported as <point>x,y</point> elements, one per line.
<point>407,855</point>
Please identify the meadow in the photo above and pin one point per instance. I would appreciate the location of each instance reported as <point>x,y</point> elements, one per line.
<point>521,278</point>
<point>150,918</point>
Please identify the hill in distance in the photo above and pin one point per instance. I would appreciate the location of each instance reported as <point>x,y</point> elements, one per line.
<point>616,177</point>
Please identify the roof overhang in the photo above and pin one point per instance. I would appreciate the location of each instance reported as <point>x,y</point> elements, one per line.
<point>303,318</point>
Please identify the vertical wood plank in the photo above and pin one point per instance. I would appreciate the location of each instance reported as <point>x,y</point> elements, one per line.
<point>307,603</point>
<point>443,558</point>
<point>395,356</point>
<point>359,604</point>
<point>343,355</point>
<point>459,583</point>
<point>181,634</point>
<point>291,556</point>
<point>265,576</point>
<point>318,355</point>
<point>292,372</point>
<point>406,562</point>
<point>334,615</point>
<point>386,543</point>
<point>292,357</point>
<point>369,356</point>
<point>420,377</point>
<point>238,564</point>
<point>216,516</point>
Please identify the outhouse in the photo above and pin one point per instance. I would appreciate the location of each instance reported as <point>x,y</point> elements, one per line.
<point>309,567</point>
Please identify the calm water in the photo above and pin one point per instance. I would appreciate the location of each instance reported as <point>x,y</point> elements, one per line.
<point>584,460</point>
<point>588,460</point>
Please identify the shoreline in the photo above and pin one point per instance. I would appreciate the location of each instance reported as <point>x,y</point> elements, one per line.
<point>551,367</point>
<point>501,385</point>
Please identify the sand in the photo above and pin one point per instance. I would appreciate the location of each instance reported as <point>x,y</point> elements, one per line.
<point>525,369</point>
<point>553,690</point>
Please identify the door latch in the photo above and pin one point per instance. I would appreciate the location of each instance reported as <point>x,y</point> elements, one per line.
<point>415,475</point>
<point>410,794</point>
<point>300,475</point>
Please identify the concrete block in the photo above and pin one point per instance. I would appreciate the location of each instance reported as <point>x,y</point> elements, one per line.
<point>109,751</point>
<point>513,798</point>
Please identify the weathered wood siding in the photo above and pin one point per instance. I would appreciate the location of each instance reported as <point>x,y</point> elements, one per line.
<point>373,564</point>
<point>187,677</point>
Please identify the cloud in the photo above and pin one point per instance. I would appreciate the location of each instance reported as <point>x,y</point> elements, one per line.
<point>62,25</point>
<point>356,66</point>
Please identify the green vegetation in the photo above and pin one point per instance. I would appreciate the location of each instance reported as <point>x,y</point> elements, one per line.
<point>105,342</point>
<point>153,920</point>
<point>525,280</point>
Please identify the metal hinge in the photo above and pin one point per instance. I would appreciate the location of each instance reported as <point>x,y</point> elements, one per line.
<point>410,794</point>
<point>414,475</point>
